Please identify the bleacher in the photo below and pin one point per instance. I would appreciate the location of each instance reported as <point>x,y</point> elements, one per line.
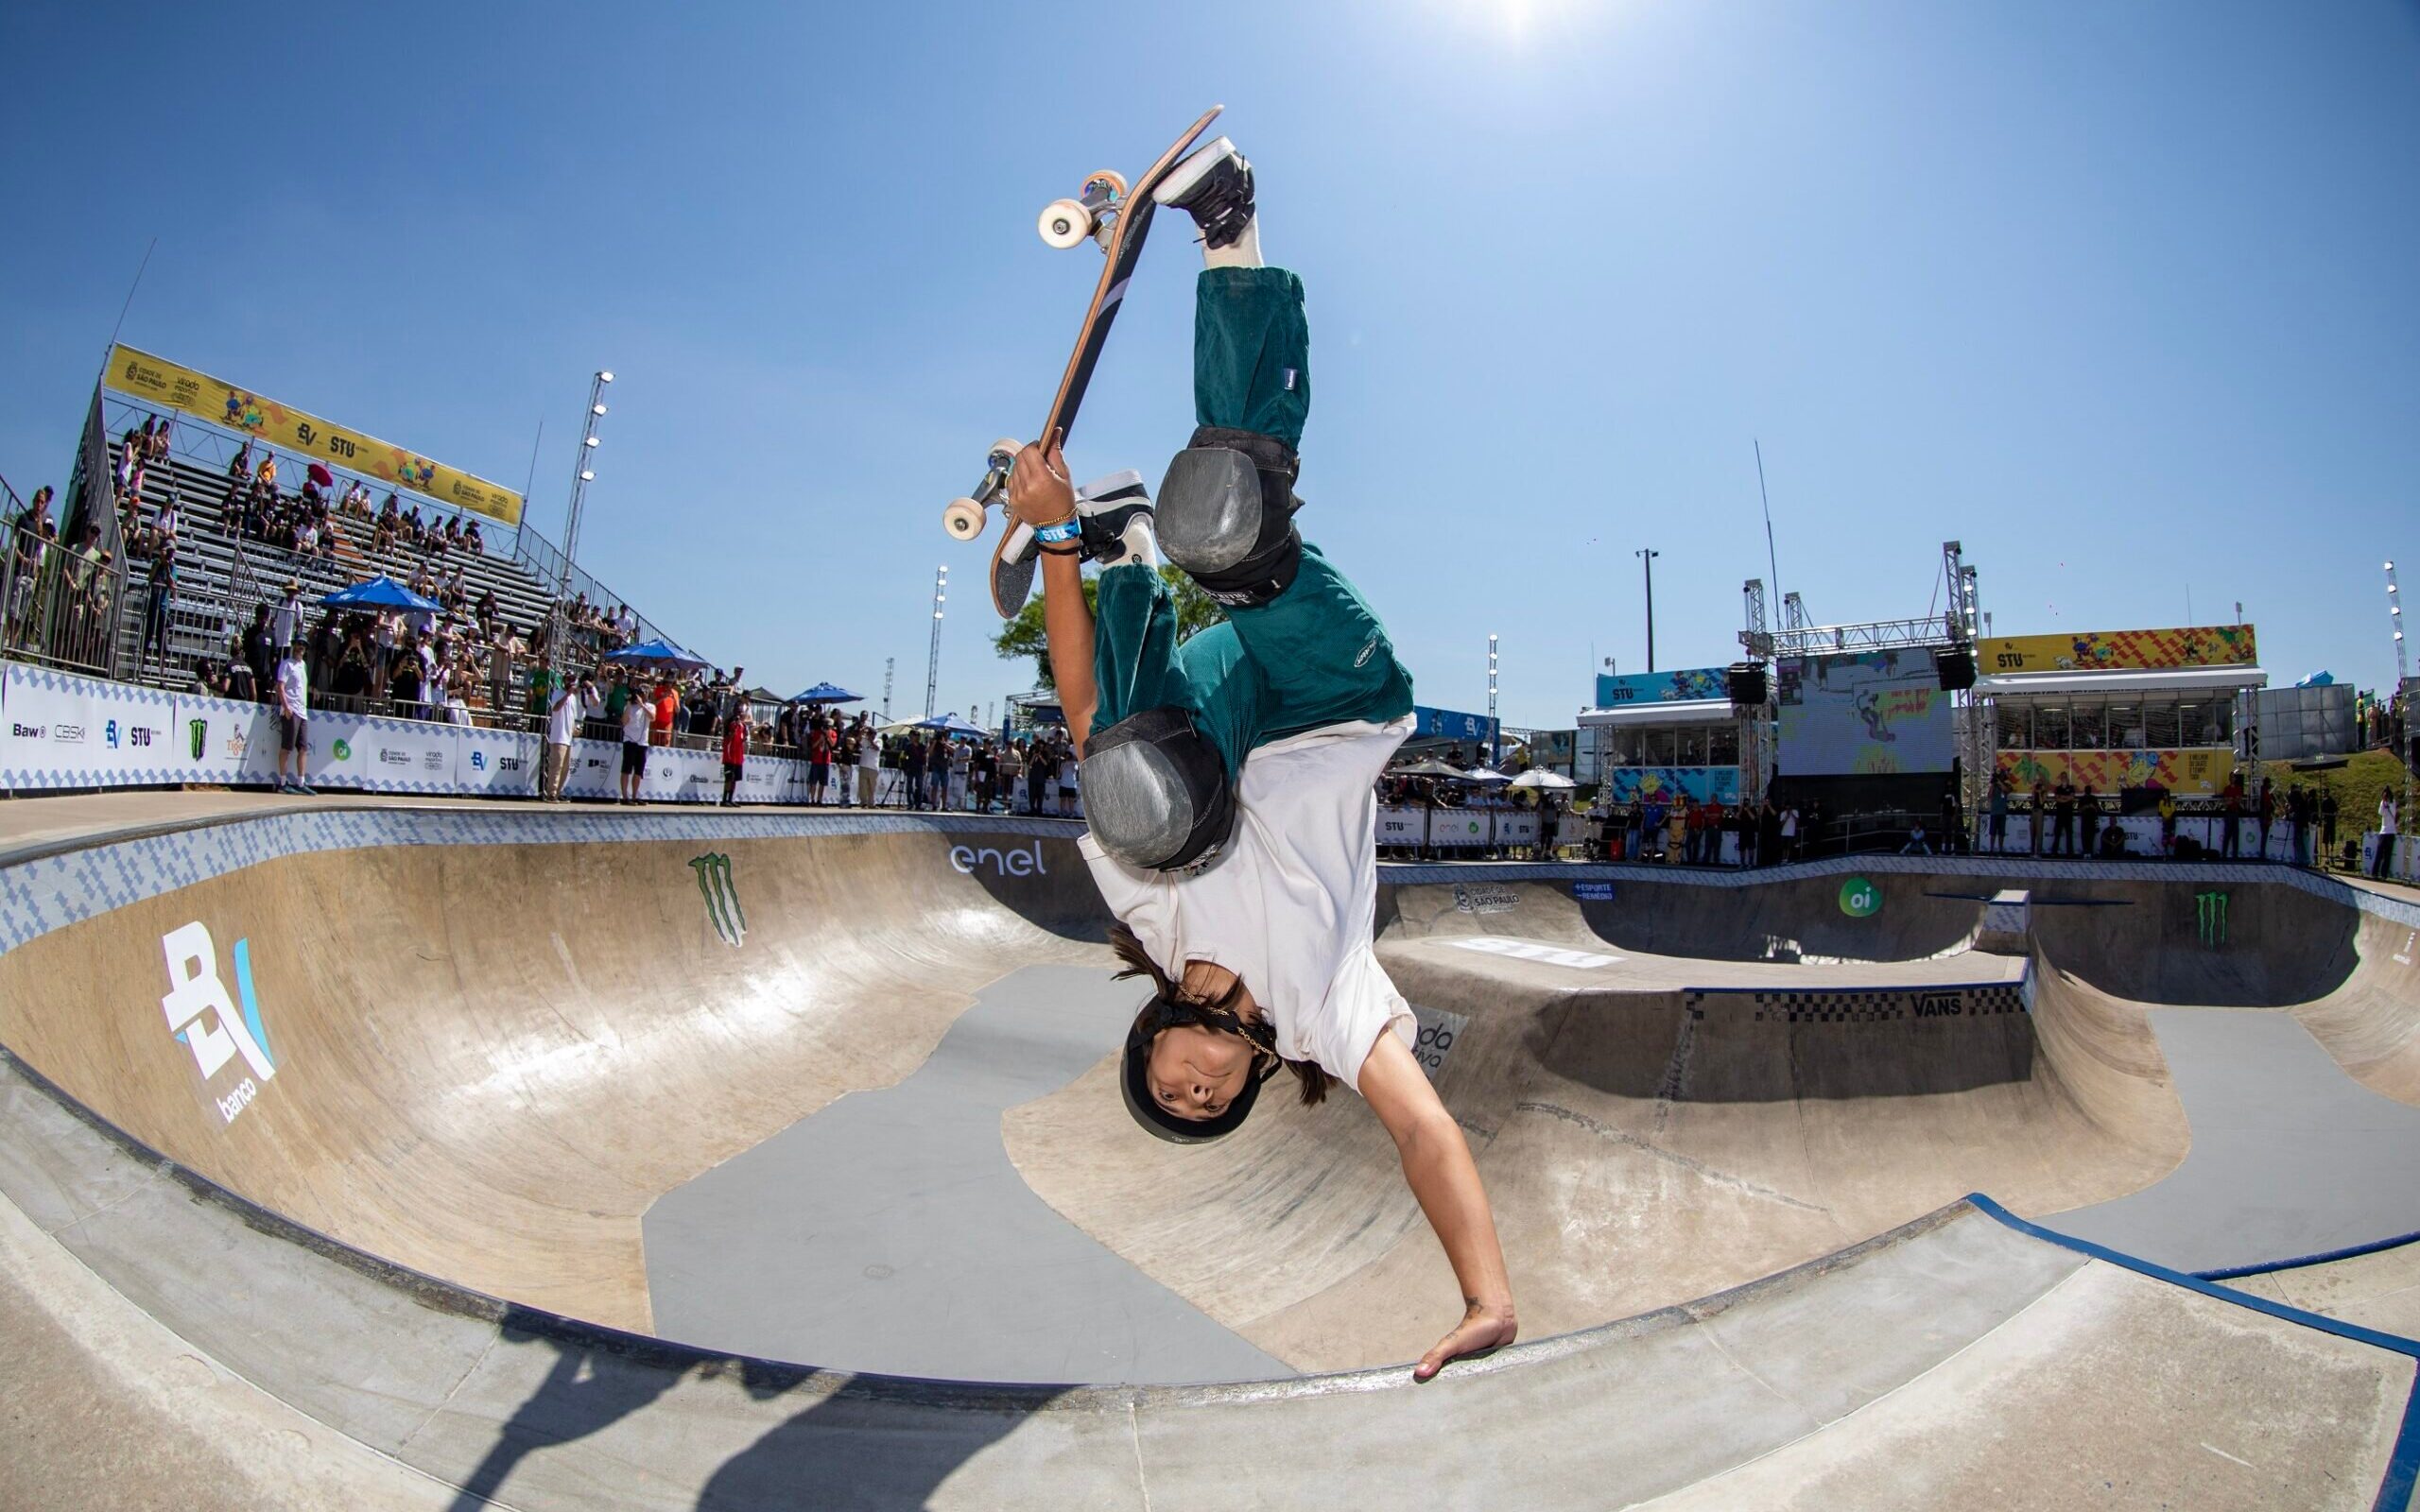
<point>215,593</point>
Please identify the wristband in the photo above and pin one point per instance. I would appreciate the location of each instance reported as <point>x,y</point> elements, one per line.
<point>1067,529</point>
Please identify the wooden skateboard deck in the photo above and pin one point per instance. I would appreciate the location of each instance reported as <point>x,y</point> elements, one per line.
<point>1014,561</point>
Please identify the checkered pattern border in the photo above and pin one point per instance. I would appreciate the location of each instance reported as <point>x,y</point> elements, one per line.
<point>1983,1000</point>
<point>42,892</point>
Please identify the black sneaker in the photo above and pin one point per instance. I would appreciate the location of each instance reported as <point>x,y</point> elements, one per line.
<point>1213,186</point>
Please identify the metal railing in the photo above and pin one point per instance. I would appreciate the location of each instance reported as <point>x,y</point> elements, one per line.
<point>59,604</point>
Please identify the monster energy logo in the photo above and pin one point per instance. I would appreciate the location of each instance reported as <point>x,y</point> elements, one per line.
<point>722,898</point>
<point>2210,918</point>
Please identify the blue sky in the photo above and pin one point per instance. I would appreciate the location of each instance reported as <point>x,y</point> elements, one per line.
<point>2121,295</point>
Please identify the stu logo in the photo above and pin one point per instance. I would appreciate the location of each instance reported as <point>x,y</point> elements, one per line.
<point>722,898</point>
<point>206,1021</point>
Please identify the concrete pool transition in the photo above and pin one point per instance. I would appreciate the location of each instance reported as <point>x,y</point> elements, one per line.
<point>440,1155</point>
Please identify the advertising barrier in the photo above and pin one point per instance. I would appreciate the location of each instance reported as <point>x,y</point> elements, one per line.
<point>64,730</point>
<point>60,731</point>
<point>1457,829</point>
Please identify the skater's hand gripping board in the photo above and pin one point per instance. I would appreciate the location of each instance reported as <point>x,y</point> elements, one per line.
<point>1118,215</point>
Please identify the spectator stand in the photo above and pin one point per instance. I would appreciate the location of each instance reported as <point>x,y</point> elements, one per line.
<point>220,573</point>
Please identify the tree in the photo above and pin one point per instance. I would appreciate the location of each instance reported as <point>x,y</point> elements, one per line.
<point>1024,635</point>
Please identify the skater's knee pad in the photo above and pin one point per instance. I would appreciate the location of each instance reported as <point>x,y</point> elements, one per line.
<point>1226,515</point>
<point>1156,793</point>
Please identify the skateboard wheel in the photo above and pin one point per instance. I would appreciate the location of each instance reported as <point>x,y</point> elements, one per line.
<point>1063,223</point>
<point>1109,179</point>
<point>1005,450</point>
<point>964,519</point>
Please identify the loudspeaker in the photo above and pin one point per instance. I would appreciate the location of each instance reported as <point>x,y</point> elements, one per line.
<point>1956,669</point>
<point>1745,682</point>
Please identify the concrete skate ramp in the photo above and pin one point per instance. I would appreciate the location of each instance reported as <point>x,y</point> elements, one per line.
<point>493,1057</point>
<point>500,1037</point>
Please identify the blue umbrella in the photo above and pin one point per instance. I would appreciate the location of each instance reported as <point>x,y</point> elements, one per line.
<point>829,693</point>
<point>379,592</point>
<point>658,653</point>
<point>952,725</point>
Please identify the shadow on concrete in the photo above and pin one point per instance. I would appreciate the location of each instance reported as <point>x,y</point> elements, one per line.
<point>591,1386</point>
<point>873,1446</point>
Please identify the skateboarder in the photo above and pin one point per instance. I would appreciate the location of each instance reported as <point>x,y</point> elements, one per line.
<point>1228,783</point>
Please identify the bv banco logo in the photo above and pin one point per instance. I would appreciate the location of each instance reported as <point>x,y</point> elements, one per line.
<point>205,1019</point>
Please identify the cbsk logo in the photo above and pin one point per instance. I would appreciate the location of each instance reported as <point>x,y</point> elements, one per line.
<point>205,1021</point>
<point>1015,863</point>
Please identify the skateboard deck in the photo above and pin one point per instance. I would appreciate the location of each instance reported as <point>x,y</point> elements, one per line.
<point>1063,223</point>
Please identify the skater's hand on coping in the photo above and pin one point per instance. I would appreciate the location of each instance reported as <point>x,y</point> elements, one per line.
<point>1483,1330</point>
<point>1039,492</point>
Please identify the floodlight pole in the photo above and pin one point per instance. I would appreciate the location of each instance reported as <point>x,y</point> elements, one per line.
<point>1495,732</point>
<point>583,474</point>
<point>1647,557</point>
<point>933,658</point>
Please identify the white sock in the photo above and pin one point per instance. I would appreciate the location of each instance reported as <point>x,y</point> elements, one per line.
<point>1244,251</point>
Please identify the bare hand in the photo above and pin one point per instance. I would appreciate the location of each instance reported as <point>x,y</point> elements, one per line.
<point>1039,492</point>
<point>1483,1330</point>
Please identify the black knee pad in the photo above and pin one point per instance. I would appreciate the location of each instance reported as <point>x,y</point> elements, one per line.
<point>1226,515</point>
<point>1156,792</point>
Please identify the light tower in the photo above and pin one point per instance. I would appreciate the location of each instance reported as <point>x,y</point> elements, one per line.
<point>1495,732</point>
<point>933,660</point>
<point>1647,555</point>
<point>583,473</point>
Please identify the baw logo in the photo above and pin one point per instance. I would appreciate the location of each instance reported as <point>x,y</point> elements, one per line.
<point>206,1021</point>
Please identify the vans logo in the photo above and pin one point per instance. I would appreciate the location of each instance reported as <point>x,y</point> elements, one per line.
<point>202,1018</point>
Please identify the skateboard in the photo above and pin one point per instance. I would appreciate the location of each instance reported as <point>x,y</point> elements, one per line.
<point>1116,215</point>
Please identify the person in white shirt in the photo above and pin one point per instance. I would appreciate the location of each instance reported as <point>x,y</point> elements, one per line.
<point>638,720</point>
<point>1230,780</point>
<point>563,718</point>
<point>293,719</point>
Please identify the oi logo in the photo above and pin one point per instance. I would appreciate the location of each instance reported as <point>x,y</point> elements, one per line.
<point>1860,899</point>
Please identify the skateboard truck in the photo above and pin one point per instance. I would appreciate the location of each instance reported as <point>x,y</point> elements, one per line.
<point>1093,212</point>
<point>964,519</point>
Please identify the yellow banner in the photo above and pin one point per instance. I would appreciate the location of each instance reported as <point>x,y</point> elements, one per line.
<point>162,383</point>
<point>2206,646</point>
<point>2186,773</point>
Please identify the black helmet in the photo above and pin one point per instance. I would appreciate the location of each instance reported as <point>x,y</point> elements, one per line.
<point>1133,1072</point>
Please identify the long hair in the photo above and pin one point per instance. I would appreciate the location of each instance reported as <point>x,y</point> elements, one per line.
<point>1222,1012</point>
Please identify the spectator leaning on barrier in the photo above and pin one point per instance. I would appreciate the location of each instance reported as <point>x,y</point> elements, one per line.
<point>293,719</point>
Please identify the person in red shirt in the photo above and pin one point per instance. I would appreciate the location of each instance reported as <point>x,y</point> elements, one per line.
<point>820,744</point>
<point>668,709</point>
<point>735,750</point>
